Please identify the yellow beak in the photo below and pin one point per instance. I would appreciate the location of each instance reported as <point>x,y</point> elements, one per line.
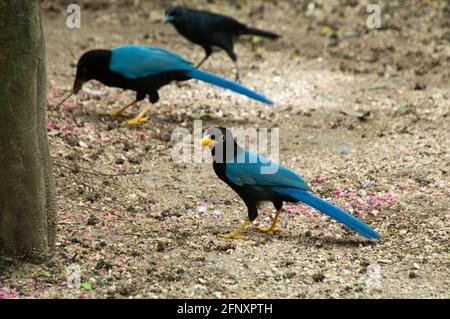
<point>205,141</point>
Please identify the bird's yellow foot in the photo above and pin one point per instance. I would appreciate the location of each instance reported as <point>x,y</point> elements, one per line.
<point>116,114</point>
<point>274,230</point>
<point>235,233</point>
<point>136,120</point>
<point>119,112</point>
<point>232,235</point>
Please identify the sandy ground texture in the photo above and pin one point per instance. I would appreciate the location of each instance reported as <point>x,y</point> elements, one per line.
<point>363,117</point>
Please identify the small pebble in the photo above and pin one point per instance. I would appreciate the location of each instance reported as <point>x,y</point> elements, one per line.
<point>365,182</point>
<point>319,277</point>
<point>289,274</point>
<point>202,209</point>
<point>120,160</point>
<point>412,275</point>
<point>160,247</point>
<point>93,220</point>
<point>344,149</point>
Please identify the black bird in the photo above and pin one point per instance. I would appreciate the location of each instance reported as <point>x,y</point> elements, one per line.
<point>211,30</point>
<point>145,69</point>
<point>256,179</point>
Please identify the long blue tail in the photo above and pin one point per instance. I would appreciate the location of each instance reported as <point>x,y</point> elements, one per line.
<point>329,209</point>
<point>227,84</point>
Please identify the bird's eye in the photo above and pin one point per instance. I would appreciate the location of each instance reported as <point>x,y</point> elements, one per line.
<point>222,138</point>
<point>213,137</point>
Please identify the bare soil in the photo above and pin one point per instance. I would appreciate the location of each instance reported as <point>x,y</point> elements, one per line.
<point>363,117</point>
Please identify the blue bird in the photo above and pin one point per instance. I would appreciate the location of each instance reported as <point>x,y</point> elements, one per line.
<point>145,70</point>
<point>256,179</point>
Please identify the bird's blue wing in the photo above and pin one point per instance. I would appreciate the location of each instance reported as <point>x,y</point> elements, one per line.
<point>138,61</point>
<point>253,169</point>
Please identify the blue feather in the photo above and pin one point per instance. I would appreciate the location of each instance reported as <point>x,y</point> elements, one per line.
<point>227,84</point>
<point>246,170</point>
<point>138,61</point>
<point>254,169</point>
<point>329,209</point>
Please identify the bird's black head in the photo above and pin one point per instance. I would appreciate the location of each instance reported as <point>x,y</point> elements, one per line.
<point>221,142</point>
<point>174,14</point>
<point>92,65</point>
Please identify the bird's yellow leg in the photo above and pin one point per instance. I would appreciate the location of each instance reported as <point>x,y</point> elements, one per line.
<point>272,227</point>
<point>118,112</point>
<point>140,118</point>
<point>235,233</point>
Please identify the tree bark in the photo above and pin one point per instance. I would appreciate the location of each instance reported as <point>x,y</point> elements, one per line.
<point>27,189</point>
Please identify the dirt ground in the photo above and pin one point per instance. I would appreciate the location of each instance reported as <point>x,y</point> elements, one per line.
<point>363,117</point>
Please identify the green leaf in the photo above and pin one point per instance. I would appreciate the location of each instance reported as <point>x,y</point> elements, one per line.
<point>256,39</point>
<point>242,3</point>
<point>85,285</point>
<point>405,108</point>
<point>326,30</point>
<point>376,85</point>
<point>401,109</point>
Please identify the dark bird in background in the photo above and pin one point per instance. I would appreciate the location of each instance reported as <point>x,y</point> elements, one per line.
<point>253,178</point>
<point>211,30</point>
<point>145,70</point>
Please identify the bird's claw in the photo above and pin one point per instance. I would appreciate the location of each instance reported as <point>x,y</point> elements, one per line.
<point>115,114</point>
<point>274,230</point>
<point>136,120</point>
<point>232,236</point>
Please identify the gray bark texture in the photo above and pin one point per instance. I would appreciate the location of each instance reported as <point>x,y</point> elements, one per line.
<point>27,188</point>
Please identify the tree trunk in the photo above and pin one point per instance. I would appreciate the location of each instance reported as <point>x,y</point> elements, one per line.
<point>27,191</point>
